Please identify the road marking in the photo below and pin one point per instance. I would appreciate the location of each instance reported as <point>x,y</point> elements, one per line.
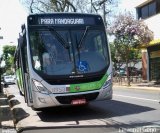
<point>146,99</point>
<point>3,98</point>
<point>4,106</point>
<point>8,130</point>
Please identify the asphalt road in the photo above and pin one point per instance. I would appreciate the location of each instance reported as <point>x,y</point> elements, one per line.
<point>129,111</point>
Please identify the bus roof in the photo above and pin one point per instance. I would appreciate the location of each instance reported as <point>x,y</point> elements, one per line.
<point>63,13</point>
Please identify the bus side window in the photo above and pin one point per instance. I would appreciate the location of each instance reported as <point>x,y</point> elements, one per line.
<point>24,55</point>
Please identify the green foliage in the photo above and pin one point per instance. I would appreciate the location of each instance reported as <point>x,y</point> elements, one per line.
<point>113,54</point>
<point>9,72</point>
<point>134,55</point>
<point>113,50</point>
<point>8,57</point>
<point>129,34</point>
<point>8,51</point>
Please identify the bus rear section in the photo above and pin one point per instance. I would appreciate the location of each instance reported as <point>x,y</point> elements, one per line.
<point>65,60</point>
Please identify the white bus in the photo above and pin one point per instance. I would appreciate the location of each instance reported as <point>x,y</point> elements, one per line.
<point>63,59</point>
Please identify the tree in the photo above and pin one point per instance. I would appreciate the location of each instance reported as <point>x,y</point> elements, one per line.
<point>43,6</point>
<point>102,7</point>
<point>8,57</point>
<point>129,34</point>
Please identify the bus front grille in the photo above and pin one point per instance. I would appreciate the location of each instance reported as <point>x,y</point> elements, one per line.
<point>68,99</point>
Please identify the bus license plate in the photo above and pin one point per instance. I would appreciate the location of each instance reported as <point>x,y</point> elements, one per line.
<point>78,101</point>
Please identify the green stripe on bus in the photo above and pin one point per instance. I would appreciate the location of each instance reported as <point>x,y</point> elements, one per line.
<point>88,86</point>
<point>19,77</point>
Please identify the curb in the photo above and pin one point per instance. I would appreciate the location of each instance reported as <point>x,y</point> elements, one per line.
<point>18,114</point>
<point>8,125</point>
<point>137,87</point>
<point>9,97</point>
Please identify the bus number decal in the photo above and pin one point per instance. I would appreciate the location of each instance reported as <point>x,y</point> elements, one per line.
<point>59,90</point>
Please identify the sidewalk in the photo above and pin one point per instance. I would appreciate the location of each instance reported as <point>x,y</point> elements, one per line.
<point>142,86</point>
<point>6,117</point>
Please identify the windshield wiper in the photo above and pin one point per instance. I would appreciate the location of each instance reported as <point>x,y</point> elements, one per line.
<point>63,42</point>
<point>83,36</point>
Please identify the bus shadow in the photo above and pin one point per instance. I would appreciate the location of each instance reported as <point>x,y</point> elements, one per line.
<point>13,103</point>
<point>95,110</point>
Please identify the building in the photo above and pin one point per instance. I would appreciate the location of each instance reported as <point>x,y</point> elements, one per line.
<point>149,11</point>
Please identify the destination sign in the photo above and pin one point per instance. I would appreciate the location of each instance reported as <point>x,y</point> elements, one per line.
<point>64,19</point>
<point>59,21</point>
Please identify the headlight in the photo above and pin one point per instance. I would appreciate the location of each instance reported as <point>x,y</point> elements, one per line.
<point>108,81</point>
<point>40,87</point>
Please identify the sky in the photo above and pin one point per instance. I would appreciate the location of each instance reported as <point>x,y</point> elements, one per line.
<point>13,15</point>
<point>128,5</point>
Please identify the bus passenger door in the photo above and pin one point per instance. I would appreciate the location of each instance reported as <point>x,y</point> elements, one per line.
<point>25,74</point>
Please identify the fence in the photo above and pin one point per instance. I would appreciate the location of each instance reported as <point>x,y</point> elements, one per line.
<point>123,79</point>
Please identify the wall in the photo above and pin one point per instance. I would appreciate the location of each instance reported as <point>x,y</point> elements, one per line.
<point>154,25</point>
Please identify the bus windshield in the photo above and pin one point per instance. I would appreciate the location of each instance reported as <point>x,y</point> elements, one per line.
<point>68,51</point>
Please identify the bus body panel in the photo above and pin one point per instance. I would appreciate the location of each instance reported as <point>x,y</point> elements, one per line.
<point>48,100</point>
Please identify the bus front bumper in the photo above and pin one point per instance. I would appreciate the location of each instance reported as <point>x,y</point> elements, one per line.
<point>51,100</point>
